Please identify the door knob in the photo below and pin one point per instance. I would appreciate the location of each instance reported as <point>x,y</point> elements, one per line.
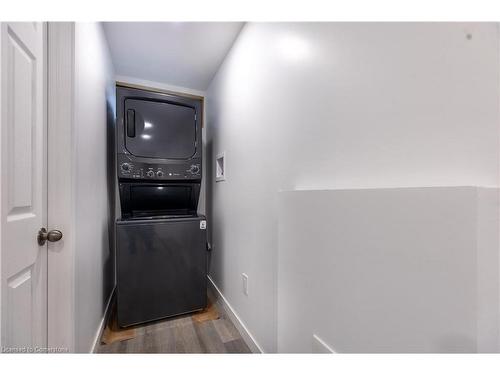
<point>52,236</point>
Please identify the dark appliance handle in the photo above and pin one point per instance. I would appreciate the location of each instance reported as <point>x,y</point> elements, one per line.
<point>130,123</point>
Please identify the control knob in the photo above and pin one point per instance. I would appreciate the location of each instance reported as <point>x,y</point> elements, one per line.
<point>125,167</point>
<point>150,174</point>
<point>194,169</point>
<point>159,174</point>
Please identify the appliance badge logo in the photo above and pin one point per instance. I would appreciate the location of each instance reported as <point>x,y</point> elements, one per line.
<point>203,224</point>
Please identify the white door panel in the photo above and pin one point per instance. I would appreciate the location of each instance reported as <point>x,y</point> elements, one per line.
<point>24,186</point>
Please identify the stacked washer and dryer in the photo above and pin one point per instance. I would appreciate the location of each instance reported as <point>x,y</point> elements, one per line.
<point>161,249</point>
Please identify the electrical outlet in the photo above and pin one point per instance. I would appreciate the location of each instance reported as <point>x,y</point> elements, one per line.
<point>244,277</point>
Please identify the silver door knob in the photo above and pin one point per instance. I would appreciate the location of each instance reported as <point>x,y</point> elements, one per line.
<point>52,236</point>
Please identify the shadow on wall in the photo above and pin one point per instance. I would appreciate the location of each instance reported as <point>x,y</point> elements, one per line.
<point>109,263</point>
<point>208,195</point>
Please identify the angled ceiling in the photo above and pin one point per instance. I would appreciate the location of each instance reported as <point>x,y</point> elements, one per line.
<point>185,54</point>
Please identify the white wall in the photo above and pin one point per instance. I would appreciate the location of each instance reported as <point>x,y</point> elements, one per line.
<point>389,270</point>
<point>94,178</point>
<point>321,106</point>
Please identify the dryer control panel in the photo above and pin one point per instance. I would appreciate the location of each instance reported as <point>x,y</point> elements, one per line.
<point>152,171</point>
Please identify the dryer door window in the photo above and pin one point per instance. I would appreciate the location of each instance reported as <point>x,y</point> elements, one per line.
<point>160,130</point>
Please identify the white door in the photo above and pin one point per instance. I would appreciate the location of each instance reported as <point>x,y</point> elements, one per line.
<point>23,186</point>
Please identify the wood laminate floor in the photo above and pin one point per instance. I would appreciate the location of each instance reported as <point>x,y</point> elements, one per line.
<point>182,334</point>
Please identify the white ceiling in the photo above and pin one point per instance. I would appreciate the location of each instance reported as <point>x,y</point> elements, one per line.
<point>185,54</point>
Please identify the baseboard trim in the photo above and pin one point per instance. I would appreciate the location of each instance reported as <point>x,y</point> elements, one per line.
<point>235,319</point>
<point>103,322</point>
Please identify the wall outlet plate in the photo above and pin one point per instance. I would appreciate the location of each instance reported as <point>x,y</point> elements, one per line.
<point>244,278</point>
<point>220,167</point>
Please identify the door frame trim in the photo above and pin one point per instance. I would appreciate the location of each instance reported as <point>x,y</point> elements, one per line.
<point>1,188</point>
<point>61,184</point>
